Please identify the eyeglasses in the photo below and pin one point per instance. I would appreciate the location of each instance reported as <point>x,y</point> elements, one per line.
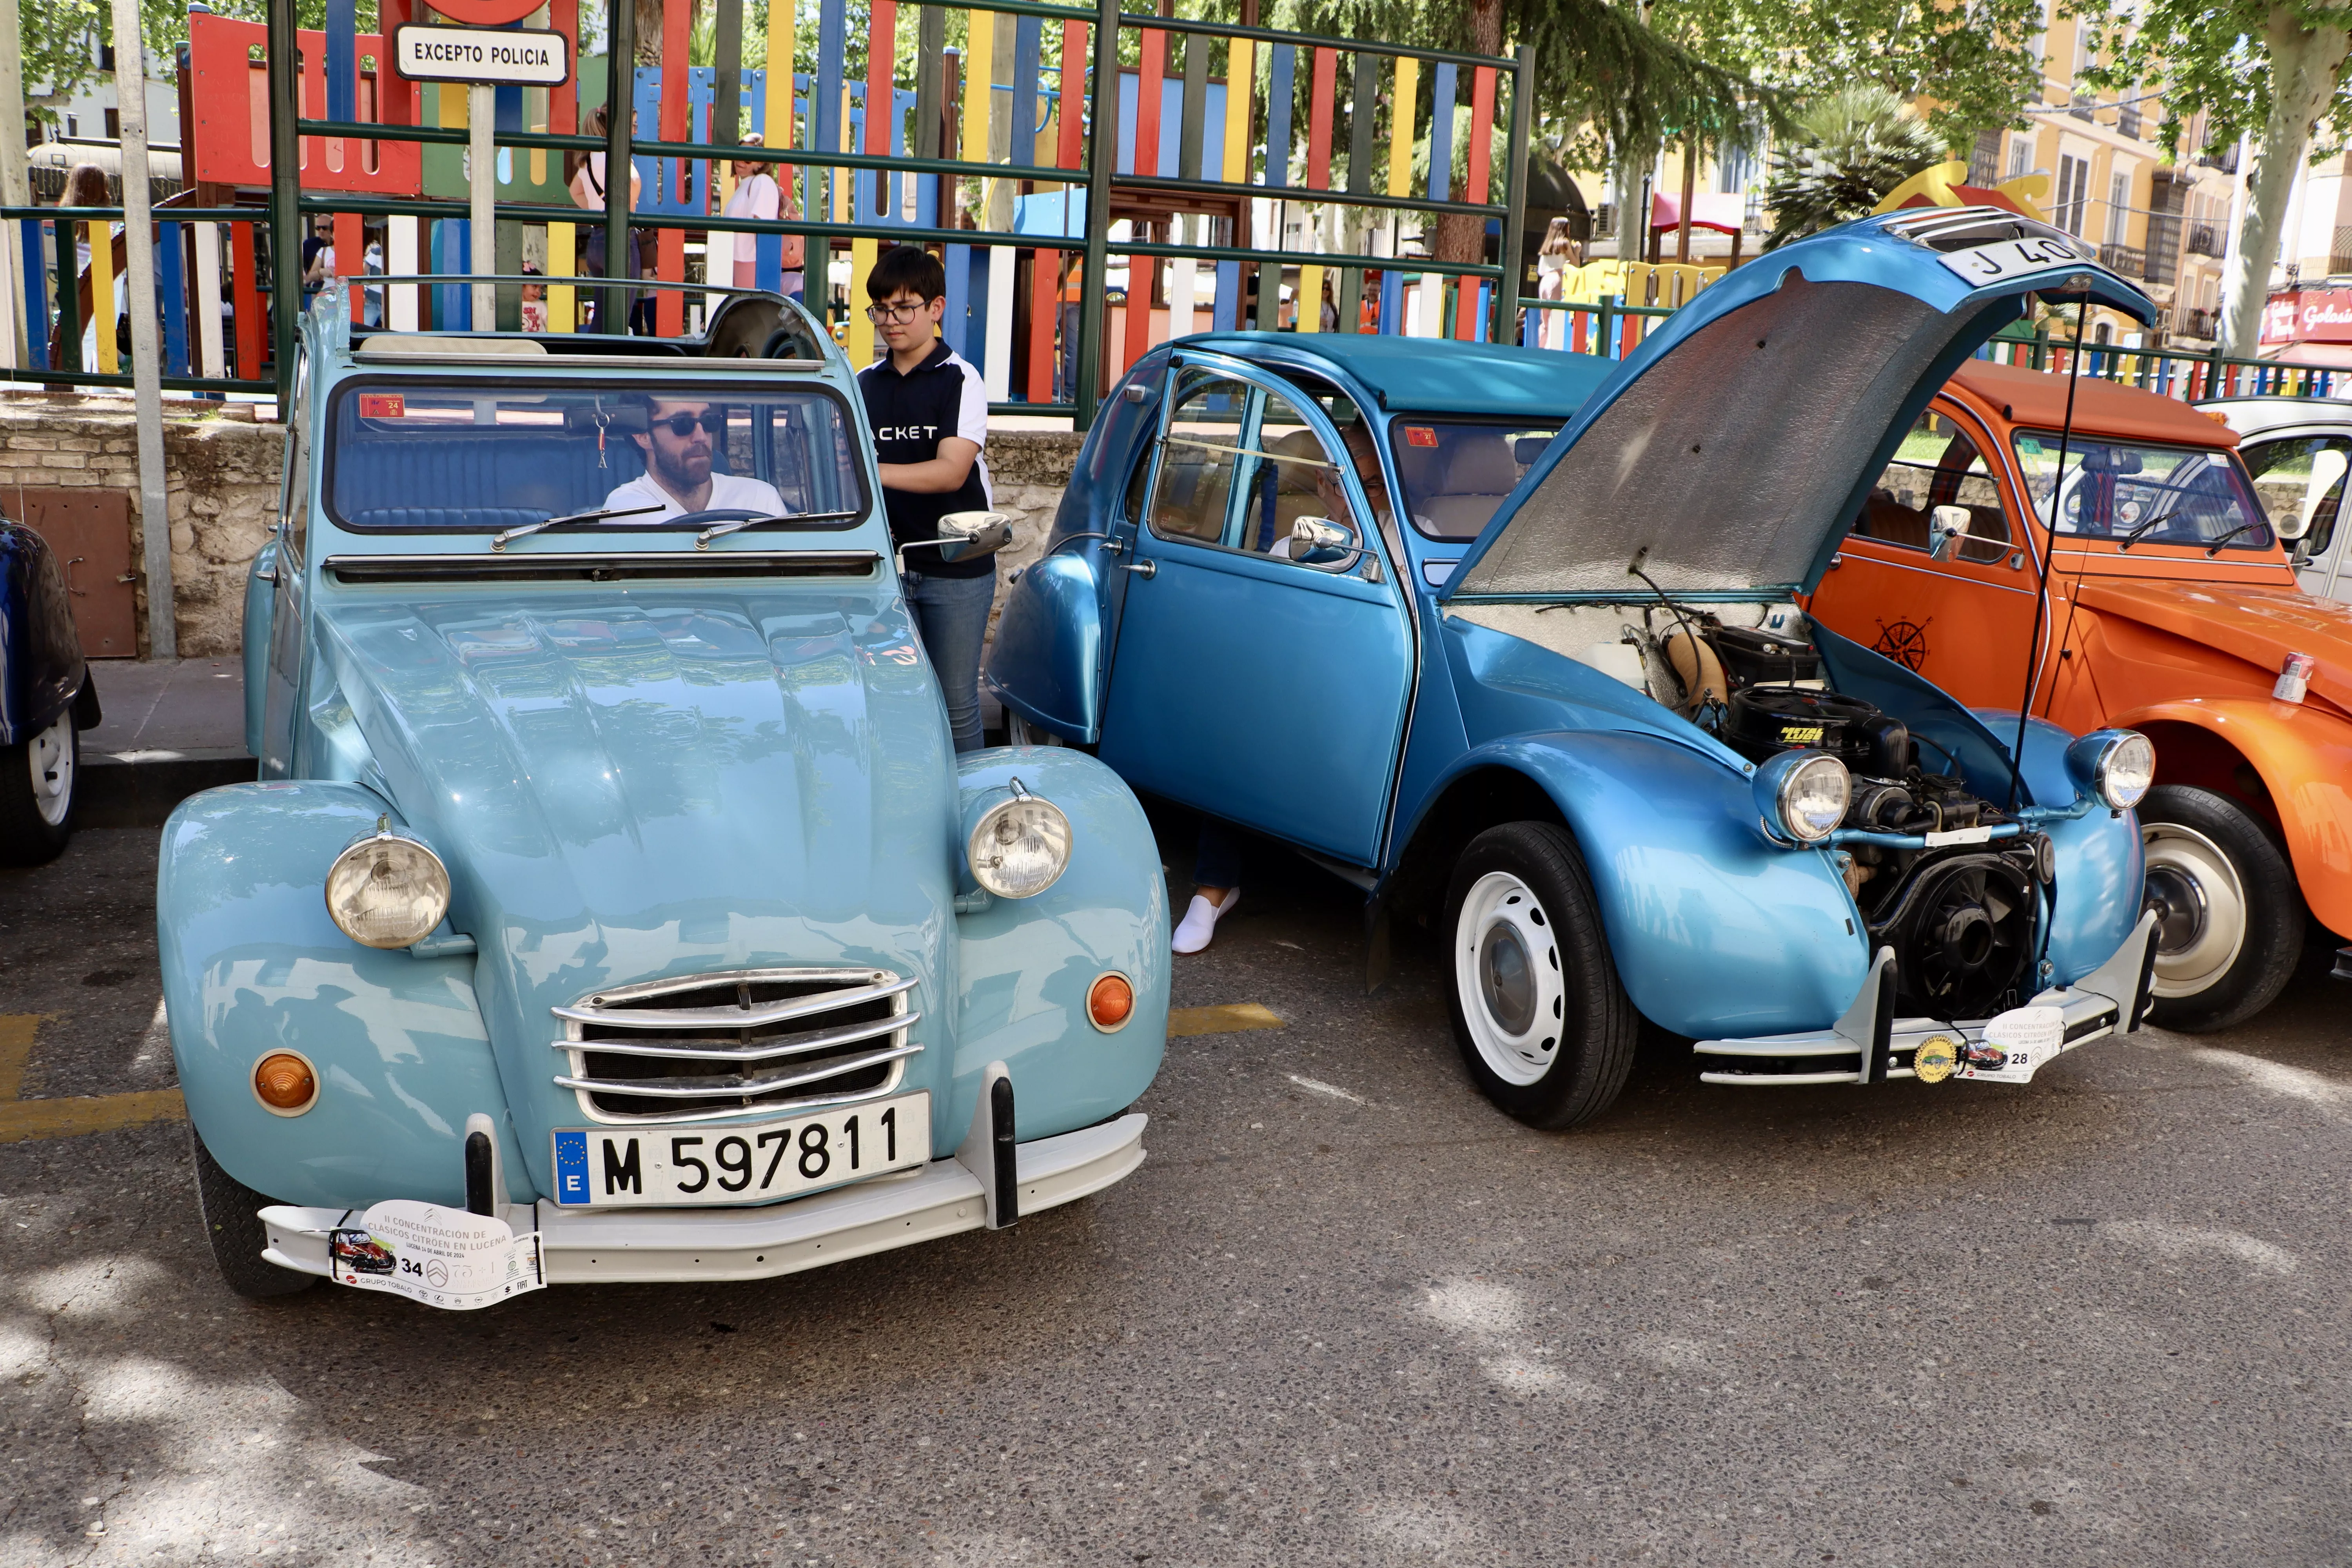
<point>684,425</point>
<point>896,315</point>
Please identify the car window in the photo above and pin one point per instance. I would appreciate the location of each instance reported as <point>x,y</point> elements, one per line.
<point>1938,465</point>
<point>294,500</point>
<point>1455,472</point>
<point>1287,475</point>
<point>1199,452</point>
<point>2145,493</point>
<point>2302,477</point>
<point>424,457</point>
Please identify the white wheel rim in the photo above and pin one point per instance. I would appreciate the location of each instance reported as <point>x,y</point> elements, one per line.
<point>1507,973</point>
<point>2200,905</point>
<point>52,758</point>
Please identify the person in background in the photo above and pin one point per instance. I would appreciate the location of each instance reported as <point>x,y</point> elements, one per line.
<point>374,262</point>
<point>318,258</point>
<point>1553,263</point>
<point>1327,319</point>
<point>534,301</point>
<point>588,192</point>
<point>929,409</point>
<point>756,195</point>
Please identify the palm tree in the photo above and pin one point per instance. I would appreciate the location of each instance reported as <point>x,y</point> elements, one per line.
<point>1844,153</point>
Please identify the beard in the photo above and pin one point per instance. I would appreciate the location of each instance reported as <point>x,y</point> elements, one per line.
<point>682,471</point>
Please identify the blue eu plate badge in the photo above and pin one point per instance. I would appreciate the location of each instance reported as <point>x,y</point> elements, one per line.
<point>572,1167</point>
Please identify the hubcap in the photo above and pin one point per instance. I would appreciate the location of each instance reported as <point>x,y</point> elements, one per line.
<point>1507,971</point>
<point>2200,908</point>
<point>52,759</point>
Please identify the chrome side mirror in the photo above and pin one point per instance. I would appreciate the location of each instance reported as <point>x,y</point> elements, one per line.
<point>968,536</point>
<point>1946,527</point>
<point>1311,535</point>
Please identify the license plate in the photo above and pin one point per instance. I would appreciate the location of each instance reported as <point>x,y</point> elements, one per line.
<point>742,1162</point>
<point>1982,264</point>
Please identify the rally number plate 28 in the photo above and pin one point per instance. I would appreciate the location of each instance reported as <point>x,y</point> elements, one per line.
<point>1983,264</point>
<point>676,1166</point>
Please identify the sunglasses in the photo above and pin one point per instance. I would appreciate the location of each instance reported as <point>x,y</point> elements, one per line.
<point>684,425</point>
<point>896,315</point>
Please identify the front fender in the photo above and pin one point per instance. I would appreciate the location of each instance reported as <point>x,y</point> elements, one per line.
<point>2304,755</point>
<point>1047,661</point>
<point>252,964</point>
<point>1715,933</point>
<point>1025,966</point>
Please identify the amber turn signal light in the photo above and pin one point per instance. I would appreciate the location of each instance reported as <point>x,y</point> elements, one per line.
<point>1110,1002</point>
<point>285,1083</point>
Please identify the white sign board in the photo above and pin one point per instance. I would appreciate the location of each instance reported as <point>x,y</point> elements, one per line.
<point>503,57</point>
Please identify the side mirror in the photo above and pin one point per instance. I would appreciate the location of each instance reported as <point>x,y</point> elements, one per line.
<point>1313,535</point>
<point>1948,526</point>
<point>967,535</point>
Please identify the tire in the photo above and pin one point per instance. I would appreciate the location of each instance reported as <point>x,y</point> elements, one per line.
<point>2230,921</point>
<point>39,777</point>
<point>229,1208</point>
<point>1544,1027</point>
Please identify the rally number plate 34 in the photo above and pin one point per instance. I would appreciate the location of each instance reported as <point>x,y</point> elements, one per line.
<point>740,1162</point>
<point>1983,264</point>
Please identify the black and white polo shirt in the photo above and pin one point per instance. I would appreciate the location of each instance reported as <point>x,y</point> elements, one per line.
<point>942,396</point>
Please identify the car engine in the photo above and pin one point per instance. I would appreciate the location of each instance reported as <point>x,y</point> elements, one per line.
<point>1959,915</point>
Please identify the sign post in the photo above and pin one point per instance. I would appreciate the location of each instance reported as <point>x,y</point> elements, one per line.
<point>146,354</point>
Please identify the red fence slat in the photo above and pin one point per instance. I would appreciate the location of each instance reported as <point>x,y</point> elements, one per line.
<point>1482,141</point>
<point>1318,118</point>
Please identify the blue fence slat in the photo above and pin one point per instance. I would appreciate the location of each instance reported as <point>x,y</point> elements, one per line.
<point>1441,133</point>
<point>1278,115</point>
<point>1027,121</point>
<point>956,320</point>
<point>1227,307</point>
<point>37,293</point>
<point>453,310</point>
<point>343,60</point>
<point>824,94</point>
<point>168,271</point>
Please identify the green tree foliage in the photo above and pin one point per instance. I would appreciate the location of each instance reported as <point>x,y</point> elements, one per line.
<point>61,39</point>
<point>1843,154</point>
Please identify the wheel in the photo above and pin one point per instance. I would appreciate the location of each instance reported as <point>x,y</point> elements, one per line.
<point>37,793</point>
<point>228,1207</point>
<point>1544,1027</point>
<point>2228,920</point>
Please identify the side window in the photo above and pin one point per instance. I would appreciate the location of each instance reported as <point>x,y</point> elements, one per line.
<point>1938,465</point>
<point>1193,497</point>
<point>294,502</point>
<point>2300,477</point>
<point>1288,476</point>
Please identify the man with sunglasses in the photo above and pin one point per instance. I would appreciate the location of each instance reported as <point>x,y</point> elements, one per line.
<point>677,441</point>
<point>929,409</point>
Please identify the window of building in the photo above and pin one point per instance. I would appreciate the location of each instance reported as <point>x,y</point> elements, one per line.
<point>2118,207</point>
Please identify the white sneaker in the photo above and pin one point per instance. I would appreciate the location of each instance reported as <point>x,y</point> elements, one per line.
<point>1200,921</point>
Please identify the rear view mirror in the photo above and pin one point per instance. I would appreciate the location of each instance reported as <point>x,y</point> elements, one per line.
<point>1527,448</point>
<point>1946,527</point>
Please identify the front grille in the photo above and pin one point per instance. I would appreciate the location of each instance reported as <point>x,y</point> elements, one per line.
<point>711,1045</point>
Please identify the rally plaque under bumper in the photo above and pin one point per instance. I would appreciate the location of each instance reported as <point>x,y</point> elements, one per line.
<point>1869,1045</point>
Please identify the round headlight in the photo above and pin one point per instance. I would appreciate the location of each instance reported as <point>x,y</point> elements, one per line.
<point>1019,847</point>
<point>2117,765</point>
<point>1803,794</point>
<point>387,891</point>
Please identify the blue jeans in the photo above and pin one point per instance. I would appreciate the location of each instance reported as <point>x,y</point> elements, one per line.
<point>951,617</point>
<point>1217,863</point>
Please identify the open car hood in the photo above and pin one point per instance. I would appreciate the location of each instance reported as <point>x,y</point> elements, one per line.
<point>1734,447</point>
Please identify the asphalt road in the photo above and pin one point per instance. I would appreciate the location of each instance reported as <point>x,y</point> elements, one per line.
<point>1345,1313</point>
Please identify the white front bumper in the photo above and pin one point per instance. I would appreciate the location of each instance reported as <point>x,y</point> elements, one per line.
<point>582,1246</point>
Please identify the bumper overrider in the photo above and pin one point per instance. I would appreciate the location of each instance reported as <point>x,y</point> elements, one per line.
<point>1869,1044</point>
<point>989,1181</point>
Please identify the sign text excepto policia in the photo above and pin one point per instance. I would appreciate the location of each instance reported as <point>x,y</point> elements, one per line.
<point>500,56</point>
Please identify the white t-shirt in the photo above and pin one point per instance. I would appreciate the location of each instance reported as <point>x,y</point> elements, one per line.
<point>728,491</point>
<point>756,197</point>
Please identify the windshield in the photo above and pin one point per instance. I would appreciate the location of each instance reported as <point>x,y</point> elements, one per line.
<point>417,456</point>
<point>2154,495</point>
<point>1457,472</point>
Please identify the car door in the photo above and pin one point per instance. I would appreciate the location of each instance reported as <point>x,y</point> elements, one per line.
<point>1261,687</point>
<point>1964,622</point>
<point>2300,477</point>
<point>282,693</point>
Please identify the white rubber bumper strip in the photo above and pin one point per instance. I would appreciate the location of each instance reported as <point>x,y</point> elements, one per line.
<point>2108,1001</point>
<point>581,1246</point>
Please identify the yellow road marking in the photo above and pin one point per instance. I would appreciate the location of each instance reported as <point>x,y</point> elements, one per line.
<point>15,1050</point>
<point>1232,1018</point>
<point>30,1119</point>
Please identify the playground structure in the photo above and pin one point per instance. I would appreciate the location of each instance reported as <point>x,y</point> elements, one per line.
<point>1094,183</point>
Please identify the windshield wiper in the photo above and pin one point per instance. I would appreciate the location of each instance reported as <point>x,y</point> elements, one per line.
<point>2128,540</point>
<point>2215,548</point>
<point>500,542</point>
<point>809,518</point>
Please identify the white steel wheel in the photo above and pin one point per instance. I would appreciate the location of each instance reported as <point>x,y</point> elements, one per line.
<point>51,758</point>
<point>1507,974</point>
<point>2200,908</point>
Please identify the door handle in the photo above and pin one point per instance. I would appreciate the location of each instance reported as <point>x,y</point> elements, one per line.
<point>1836,561</point>
<point>72,562</point>
<point>1141,568</point>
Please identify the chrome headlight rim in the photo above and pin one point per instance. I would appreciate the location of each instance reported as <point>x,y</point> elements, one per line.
<point>2115,767</point>
<point>1778,784</point>
<point>386,839</point>
<point>984,846</point>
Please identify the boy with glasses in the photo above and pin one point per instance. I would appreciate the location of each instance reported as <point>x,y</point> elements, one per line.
<point>929,409</point>
<point>679,437</point>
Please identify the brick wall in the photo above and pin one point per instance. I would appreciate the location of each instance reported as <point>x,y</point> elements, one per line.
<point>222,479</point>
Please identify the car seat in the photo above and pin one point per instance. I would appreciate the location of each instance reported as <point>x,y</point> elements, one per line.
<point>1479,472</point>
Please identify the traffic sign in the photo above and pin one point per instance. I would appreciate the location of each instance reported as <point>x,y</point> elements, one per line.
<point>500,57</point>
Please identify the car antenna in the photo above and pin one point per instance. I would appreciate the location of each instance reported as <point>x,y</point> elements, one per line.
<point>2050,560</point>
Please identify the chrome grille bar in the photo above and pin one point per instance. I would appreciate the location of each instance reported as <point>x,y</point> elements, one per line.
<point>786,1045</point>
<point>705,1088</point>
<point>731,1017</point>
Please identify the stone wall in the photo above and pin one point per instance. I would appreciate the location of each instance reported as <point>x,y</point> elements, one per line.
<point>222,479</point>
<point>221,492</point>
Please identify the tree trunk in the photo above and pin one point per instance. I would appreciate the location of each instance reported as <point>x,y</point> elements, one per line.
<point>2306,63</point>
<point>649,27</point>
<point>1461,238</point>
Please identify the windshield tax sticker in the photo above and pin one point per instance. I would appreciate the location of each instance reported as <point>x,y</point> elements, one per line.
<point>1982,264</point>
<point>2015,1044</point>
